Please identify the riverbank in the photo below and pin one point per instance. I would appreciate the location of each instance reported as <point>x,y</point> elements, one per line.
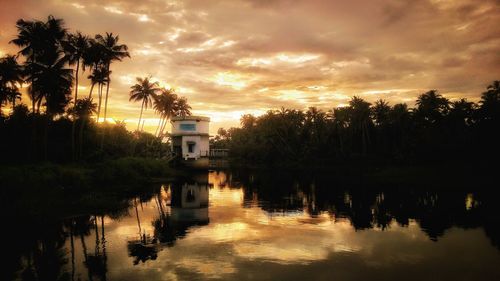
<point>441,176</point>
<point>104,175</point>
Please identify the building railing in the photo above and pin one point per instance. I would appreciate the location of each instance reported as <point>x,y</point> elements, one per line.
<point>219,153</point>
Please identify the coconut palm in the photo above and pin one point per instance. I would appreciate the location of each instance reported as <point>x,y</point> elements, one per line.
<point>340,120</point>
<point>112,52</point>
<point>53,84</point>
<point>99,76</point>
<point>182,108</point>
<point>380,112</point>
<point>490,102</point>
<point>10,80</point>
<point>360,120</point>
<point>143,91</point>
<point>75,48</point>
<point>165,105</point>
<point>40,43</point>
<point>30,40</point>
<point>431,107</point>
<point>83,110</point>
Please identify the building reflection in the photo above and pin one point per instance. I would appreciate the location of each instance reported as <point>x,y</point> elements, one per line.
<point>181,206</point>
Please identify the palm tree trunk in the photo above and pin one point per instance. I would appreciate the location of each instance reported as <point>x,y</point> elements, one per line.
<point>76,79</point>
<point>165,121</point>
<point>107,91</point>
<point>38,105</point>
<point>73,137</point>
<point>82,125</point>
<point>91,89</point>
<point>159,124</point>
<point>140,116</point>
<point>99,90</point>
<point>46,137</point>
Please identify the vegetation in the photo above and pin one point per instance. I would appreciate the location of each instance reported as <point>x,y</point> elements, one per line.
<point>436,130</point>
<point>63,128</point>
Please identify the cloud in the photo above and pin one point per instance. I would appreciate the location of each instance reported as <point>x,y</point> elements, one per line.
<point>226,52</point>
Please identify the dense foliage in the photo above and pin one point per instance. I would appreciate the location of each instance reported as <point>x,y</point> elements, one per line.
<point>436,130</point>
<point>59,126</point>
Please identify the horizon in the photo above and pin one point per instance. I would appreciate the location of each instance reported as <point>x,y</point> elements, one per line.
<point>231,58</point>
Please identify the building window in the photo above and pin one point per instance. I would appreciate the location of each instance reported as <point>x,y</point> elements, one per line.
<point>188,127</point>
<point>191,147</point>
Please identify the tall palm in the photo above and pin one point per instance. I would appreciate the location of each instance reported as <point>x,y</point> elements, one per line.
<point>360,119</point>
<point>113,52</point>
<point>340,118</point>
<point>10,80</point>
<point>98,76</point>
<point>431,106</point>
<point>143,91</point>
<point>53,82</point>
<point>490,102</point>
<point>30,40</point>
<point>461,112</point>
<point>82,111</point>
<point>40,43</point>
<point>182,108</point>
<point>165,105</point>
<point>380,112</point>
<point>75,48</point>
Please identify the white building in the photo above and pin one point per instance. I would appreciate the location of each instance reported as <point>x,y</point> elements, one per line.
<point>190,139</point>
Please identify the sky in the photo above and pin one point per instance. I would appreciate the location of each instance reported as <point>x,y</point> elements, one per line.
<point>233,57</point>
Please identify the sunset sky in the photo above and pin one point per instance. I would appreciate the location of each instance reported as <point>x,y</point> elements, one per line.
<point>247,56</point>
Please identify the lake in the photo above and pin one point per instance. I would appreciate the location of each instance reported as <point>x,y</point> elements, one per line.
<point>243,225</point>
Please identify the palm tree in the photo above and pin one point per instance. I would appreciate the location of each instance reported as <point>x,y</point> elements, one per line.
<point>53,83</point>
<point>113,52</point>
<point>10,78</point>
<point>490,102</point>
<point>461,112</point>
<point>30,40</point>
<point>165,105</point>
<point>75,48</point>
<point>83,110</point>
<point>99,76</point>
<point>40,43</point>
<point>360,120</point>
<point>182,108</point>
<point>340,118</point>
<point>143,91</point>
<point>431,106</point>
<point>380,112</point>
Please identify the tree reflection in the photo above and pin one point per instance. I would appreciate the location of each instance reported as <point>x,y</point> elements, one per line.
<point>367,206</point>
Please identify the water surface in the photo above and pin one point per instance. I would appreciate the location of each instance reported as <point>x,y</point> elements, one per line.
<point>245,226</point>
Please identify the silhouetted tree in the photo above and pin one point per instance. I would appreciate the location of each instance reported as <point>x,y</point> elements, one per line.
<point>144,91</point>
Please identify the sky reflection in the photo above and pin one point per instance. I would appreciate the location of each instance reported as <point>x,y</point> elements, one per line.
<point>241,233</point>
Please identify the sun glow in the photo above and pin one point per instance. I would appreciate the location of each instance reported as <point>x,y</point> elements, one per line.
<point>280,58</point>
<point>113,10</point>
<point>232,80</point>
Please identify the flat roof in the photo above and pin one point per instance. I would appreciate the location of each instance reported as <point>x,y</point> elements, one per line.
<point>190,118</point>
<point>188,134</point>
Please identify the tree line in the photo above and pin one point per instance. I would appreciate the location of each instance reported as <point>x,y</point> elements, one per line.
<point>59,123</point>
<point>435,130</point>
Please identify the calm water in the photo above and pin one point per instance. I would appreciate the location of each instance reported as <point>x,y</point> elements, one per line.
<point>243,226</point>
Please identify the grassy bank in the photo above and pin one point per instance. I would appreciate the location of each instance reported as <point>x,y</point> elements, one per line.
<point>107,174</point>
<point>53,190</point>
